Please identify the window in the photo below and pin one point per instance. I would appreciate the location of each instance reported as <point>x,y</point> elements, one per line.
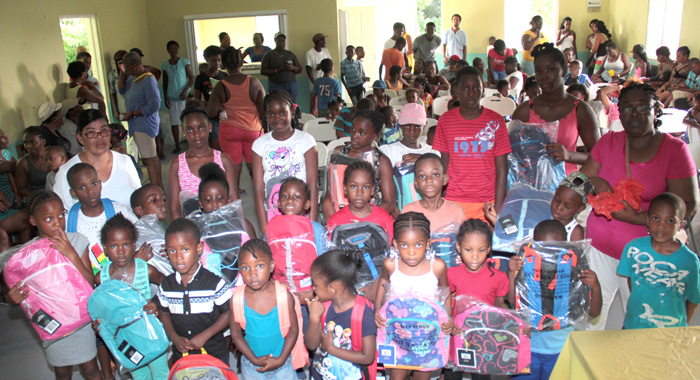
<point>663,26</point>
<point>517,16</point>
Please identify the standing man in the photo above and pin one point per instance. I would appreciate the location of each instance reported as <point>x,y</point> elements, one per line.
<point>454,41</point>
<point>177,80</point>
<point>393,57</point>
<point>424,45</point>
<point>399,32</point>
<point>281,67</point>
<point>351,76</point>
<point>314,56</point>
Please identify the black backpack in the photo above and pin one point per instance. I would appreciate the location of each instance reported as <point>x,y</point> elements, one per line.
<point>368,238</point>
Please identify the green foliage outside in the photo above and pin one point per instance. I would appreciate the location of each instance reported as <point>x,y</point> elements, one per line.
<point>74,33</point>
<point>429,10</point>
<point>548,10</point>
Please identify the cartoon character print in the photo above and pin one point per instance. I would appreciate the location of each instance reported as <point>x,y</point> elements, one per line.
<point>279,160</point>
<point>330,367</point>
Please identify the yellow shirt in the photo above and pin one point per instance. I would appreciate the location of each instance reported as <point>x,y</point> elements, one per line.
<point>526,53</point>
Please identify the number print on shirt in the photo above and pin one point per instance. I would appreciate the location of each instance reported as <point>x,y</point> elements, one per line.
<point>324,90</point>
<point>476,146</point>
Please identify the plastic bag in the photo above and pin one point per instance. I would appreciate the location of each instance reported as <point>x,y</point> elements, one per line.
<point>629,190</point>
<point>443,242</point>
<point>151,231</point>
<point>5,256</point>
<point>189,202</point>
<point>404,178</point>
<point>293,247</point>
<point>529,161</point>
<point>523,208</point>
<point>549,287</point>
<point>58,292</point>
<point>493,339</point>
<point>371,241</point>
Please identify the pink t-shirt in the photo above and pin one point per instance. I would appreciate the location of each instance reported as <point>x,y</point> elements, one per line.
<point>567,135</point>
<point>499,63</point>
<point>379,216</point>
<point>672,161</point>
<point>486,284</point>
<point>449,212</point>
<point>473,146</point>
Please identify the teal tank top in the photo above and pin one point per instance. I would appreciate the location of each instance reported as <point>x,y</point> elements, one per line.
<point>141,282</point>
<point>262,332</point>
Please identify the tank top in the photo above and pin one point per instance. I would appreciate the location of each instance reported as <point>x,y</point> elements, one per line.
<point>141,282</point>
<point>399,86</point>
<point>602,48</point>
<point>242,112</point>
<point>36,178</point>
<point>568,132</point>
<point>72,92</point>
<point>570,228</point>
<point>189,181</point>
<point>617,66</point>
<point>376,154</point>
<point>404,284</point>
<point>567,43</point>
<point>262,332</point>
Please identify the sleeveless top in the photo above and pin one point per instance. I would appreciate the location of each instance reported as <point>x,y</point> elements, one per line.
<point>404,284</point>
<point>568,132</point>
<point>617,66</point>
<point>376,154</point>
<point>570,228</point>
<point>399,86</point>
<point>681,74</point>
<point>602,48</point>
<point>72,92</point>
<point>242,112</point>
<point>141,282</point>
<point>262,332</point>
<point>189,181</point>
<point>36,178</point>
<point>567,43</point>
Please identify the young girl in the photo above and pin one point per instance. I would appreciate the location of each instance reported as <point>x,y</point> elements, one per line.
<point>412,120</point>
<point>119,240</point>
<point>118,135</point>
<point>181,177</point>
<point>266,352</point>
<point>48,216</point>
<point>333,312</point>
<point>412,272</point>
<point>424,90</point>
<point>284,151</point>
<point>395,81</point>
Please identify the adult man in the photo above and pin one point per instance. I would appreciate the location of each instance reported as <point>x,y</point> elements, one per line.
<point>281,67</point>
<point>424,45</point>
<point>86,59</point>
<point>140,90</point>
<point>314,56</point>
<point>393,57</point>
<point>449,71</point>
<point>351,76</point>
<point>454,41</point>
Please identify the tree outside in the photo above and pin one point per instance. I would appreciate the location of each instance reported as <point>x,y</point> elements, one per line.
<point>429,10</point>
<point>75,33</point>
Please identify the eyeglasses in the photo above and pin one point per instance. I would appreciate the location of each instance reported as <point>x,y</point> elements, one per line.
<point>643,109</point>
<point>92,134</point>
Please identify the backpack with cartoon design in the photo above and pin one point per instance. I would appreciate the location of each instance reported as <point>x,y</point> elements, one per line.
<point>404,178</point>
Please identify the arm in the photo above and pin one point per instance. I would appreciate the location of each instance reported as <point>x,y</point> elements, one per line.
<point>387,269</point>
<point>198,341</point>
<point>154,276</point>
<point>289,340</point>
<point>265,68</point>
<point>690,309</point>
<point>22,178</point>
<point>216,100</point>
<point>522,113</point>
<point>165,88</point>
<point>489,71</point>
<point>627,66</point>
<point>242,346</point>
<point>152,101</point>
<point>691,119</point>
<point>602,95</point>
<point>514,265</point>
<point>115,105</point>
<point>312,335</point>
<point>309,73</point>
<point>259,192</point>
<point>312,104</point>
<point>514,80</point>
<point>364,357</point>
<point>577,234</point>
<point>596,43</point>
<point>61,243</point>
<point>173,199</point>
<point>501,180</point>
<point>440,271</point>
<point>190,82</point>
<point>575,49</point>
<point>444,53</point>
<point>588,130</point>
<point>230,178</point>
<point>257,96</point>
<point>386,173</point>
<point>464,52</point>
<point>529,42</point>
<point>311,158</point>
<point>687,189</point>
<point>180,343</point>
<point>589,278</point>
<point>444,84</point>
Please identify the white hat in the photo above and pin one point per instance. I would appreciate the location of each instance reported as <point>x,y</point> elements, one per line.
<point>67,105</point>
<point>47,109</point>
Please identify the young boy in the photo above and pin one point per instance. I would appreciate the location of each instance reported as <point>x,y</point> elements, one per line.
<point>55,156</point>
<point>91,212</point>
<point>575,75</point>
<point>503,88</point>
<point>360,54</point>
<point>148,203</point>
<point>378,88</point>
<point>351,77</point>
<point>412,120</point>
<point>662,272</point>
<point>325,89</point>
<point>411,95</point>
<point>193,302</point>
<point>513,76</point>
<point>449,72</point>
<point>390,132</point>
<point>480,65</point>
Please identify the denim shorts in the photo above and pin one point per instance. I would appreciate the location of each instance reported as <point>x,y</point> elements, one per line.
<point>249,371</point>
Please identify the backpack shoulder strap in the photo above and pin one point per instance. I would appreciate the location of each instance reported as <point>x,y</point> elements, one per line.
<point>109,207</point>
<point>358,311</point>
<point>237,304</point>
<point>326,306</point>
<point>282,309</point>
<point>72,224</point>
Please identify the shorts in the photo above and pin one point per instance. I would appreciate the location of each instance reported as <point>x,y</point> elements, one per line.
<point>250,371</point>
<point>238,143</point>
<point>499,74</point>
<point>146,145</point>
<point>77,348</point>
<point>474,210</point>
<point>176,108</point>
<point>214,134</point>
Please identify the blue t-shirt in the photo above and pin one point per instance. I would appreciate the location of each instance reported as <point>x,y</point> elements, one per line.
<point>320,238</point>
<point>256,57</point>
<point>661,284</point>
<point>390,135</point>
<point>549,342</point>
<point>326,89</point>
<point>262,332</point>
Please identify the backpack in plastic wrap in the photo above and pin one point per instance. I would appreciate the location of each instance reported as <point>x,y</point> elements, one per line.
<point>529,161</point>
<point>291,239</point>
<point>523,208</point>
<point>150,230</point>
<point>404,178</point>
<point>443,242</point>
<point>368,238</point>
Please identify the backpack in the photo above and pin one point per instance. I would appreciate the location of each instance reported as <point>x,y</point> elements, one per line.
<point>443,241</point>
<point>492,341</point>
<point>300,356</point>
<point>134,337</point>
<point>150,230</point>
<point>549,285</point>
<point>58,293</point>
<point>189,202</point>
<point>293,246</point>
<point>529,160</point>
<point>358,311</point>
<point>368,238</point>
<point>404,178</point>
<point>272,195</point>
<point>413,332</point>
<point>523,208</point>
<point>97,256</point>
<point>202,366</point>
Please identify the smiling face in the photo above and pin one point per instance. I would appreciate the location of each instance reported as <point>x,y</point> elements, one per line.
<point>255,269</point>
<point>430,30</point>
<point>549,73</point>
<point>412,244</point>
<point>197,129</point>
<point>359,189</point>
<point>87,187</point>
<point>49,218</point>
<point>663,222</point>
<point>184,252</point>
<point>430,178</point>
<point>293,200</point>
<point>213,197</point>
<point>119,247</point>
<point>153,203</point>
<point>474,249</point>
<point>279,116</point>
<point>566,204</point>
<point>469,91</point>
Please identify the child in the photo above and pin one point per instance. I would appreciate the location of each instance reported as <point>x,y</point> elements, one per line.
<point>473,143</point>
<point>531,89</point>
<point>149,199</point>
<point>431,134</point>
<point>395,81</point>
<point>32,169</point>
<point>118,135</point>
<point>608,96</point>
<point>55,156</point>
<point>411,95</point>
<point>412,272</point>
<point>119,236</point>
<point>343,125</point>
<point>344,345</point>
<point>412,120</point>
<point>48,216</point>
<point>334,108</point>
<point>265,351</point>
<point>295,200</point>
<point>692,120</point>
<point>662,272</point>
<point>194,321</point>
<point>283,151</point>
<point>365,127</point>
<point>503,88</point>
<point>351,76</point>
<point>378,88</point>
<point>575,75</point>
<point>325,89</point>
<point>478,63</point>
<point>578,90</point>
<point>513,76</point>
<point>424,90</point>
<point>390,132</point>
<point>568,55</point>
<point>430,178</point>
<point>91,211</point>
<point>496,61</point>
<point>449,72</point>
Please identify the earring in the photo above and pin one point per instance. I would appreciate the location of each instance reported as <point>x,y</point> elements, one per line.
<point>430,254</point>
<point>393,253</point>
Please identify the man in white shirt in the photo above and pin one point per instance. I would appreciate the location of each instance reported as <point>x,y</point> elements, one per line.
<point>399,30</point>
<point>424,46</point>
<point>314,56</point>
<point>454,41</point>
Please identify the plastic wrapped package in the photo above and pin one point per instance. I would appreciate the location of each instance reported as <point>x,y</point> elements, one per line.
<point>151,231</point>
<point>58,292</point>
<point>404,178</point>
<point>492,340</point>
<point>412,337</point>
<point>189,202</point>
<point>5,256</point>
<point>523,208</point>
<point>629,190</point>
<point>368,238</point>
<point>443,242</point>
<point>293,245</point>
<point>549,288</point>
<point>529,161</point>
<point>134,337</point>
<point>223,232</point>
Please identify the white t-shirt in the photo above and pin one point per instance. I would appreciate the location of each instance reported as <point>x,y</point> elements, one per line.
<point>91,227</point>
<point>280,157</point>
<point>123,180</point>
<point>313,58</point>
<point>455,43</point>
<point>390,44</point>
<point>518,87</point>
<point>396,151</point>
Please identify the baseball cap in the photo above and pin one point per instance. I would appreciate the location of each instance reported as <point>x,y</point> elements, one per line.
<point>455,58</point>
<point>137,51</point>
<point>47,109</point>
<point>280,34</point>
<point>379,84</point>
<point>318,37</point>
<point>412,113</point>
<point>579,183</point>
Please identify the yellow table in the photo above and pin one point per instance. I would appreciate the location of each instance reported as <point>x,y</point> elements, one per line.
<point>670,353</point>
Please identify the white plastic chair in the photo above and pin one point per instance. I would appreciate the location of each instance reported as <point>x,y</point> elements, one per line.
<point>443,93</point>
<point>401,101</point>
<point>401,92</point>
<point>440,105</point>
<point>322,151</point>
<point>391,93</point>
<point>306,117</point>
<point>321,129</point>
<point>334,144</point>
<point>429,123</point>
<point>502,106</point>
<point>488,92</point>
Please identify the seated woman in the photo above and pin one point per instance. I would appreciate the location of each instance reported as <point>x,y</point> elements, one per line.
<point>257,51</point>
<point>31,170</point>
<point>679,73</point>
<point>642,68</point>
<point>616,62</point>
<point>437,82</point>
<point>663,73</point>
<point>687,89</point>
<point>51,120</point>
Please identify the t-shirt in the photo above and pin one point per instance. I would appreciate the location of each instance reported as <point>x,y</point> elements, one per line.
<point>205,83</point>
<point>313,58</point>
<point>142,93</point>
<point>397,150</point>
<point>326,89</point>
<point>672,161</point>
<point>379,216</point>
<point>473,146</point>
<point>177,77</point>
<point>449,213</point>
<point>486,284</point>
<point>275,60</point>
<point>391,57</point>
<point>499,60</point>
<point>388,44</point>
<point>350,70</point>
<point>661,284</point>
<point>518,87</point>
<point>389,135</point>
<point>284,157</point>
<point>425,49</point>
<point>327,367</point>
<point>256,57</point>
<point>454,43</point>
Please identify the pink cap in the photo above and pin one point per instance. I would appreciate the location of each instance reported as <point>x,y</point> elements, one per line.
<point>412,113</point>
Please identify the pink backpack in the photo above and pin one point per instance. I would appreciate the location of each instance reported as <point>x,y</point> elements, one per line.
<point>58,292</point>
<point>291,239</point>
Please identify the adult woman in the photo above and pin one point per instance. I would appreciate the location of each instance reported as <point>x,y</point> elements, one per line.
<point>590,61</point>
<point>51,119</point>
<point>437,82</point>
<point>661,162</point>
<point>31,170</point>
<point>599,44</point>
<point>663,73</point>
<point>115,170</point>
<point>79,87</point>
<point>615,61</point>
<point>531,38</point>
<point>258,50</point>
<point>566,38</point>
<point>679,73</point>
<point>12,220</point>
<point>576,119</point>
<point>241,96</point>
<point>642,68</point>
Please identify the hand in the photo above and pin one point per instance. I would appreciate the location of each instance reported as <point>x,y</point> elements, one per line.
<point>326,340</point>
<point>4,206</point>
<point>289,67</point>
<point>167,102</point>
<point>527,331</point>
<point>122,68</point>
<point>151,308</point>
<point>316,308</point>
<point>96,325</point>
<point>589,278</point>
<point>145,252</point>
<point>183,94</point>
<point>61,243</point>
<point>456,330</point>
<point>411,157</point>
<point>515,264</point>
<point>557,152</point>
<point>627,214</point>
<point>126,116</point>
<point>303,297</point>
<point>197,342</point>
<point>18,293</point>
<point>182,344</point>
<point>601,185</point>
<point>490,213</point>
<point>271,363</point>
<point>381,322</point>
<point>448,326</point>
<point>444,60</point>
<point>89,85</point>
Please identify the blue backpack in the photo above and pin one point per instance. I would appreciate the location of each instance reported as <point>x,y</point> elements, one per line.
<point>404,178</point>
<point>97,256</point>
<point>443,241</point>
<point>523,208</point>
<point>134,337</point>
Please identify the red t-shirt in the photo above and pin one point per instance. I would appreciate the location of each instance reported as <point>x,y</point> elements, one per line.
<point>379,216</point>
<point>391,57</point>
<point>499,63</point>
<point>486,284</point>
<point>473,146</point>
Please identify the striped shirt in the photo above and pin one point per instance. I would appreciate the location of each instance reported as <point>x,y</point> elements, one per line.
<point>473,146</point>
<point>350,69</point>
